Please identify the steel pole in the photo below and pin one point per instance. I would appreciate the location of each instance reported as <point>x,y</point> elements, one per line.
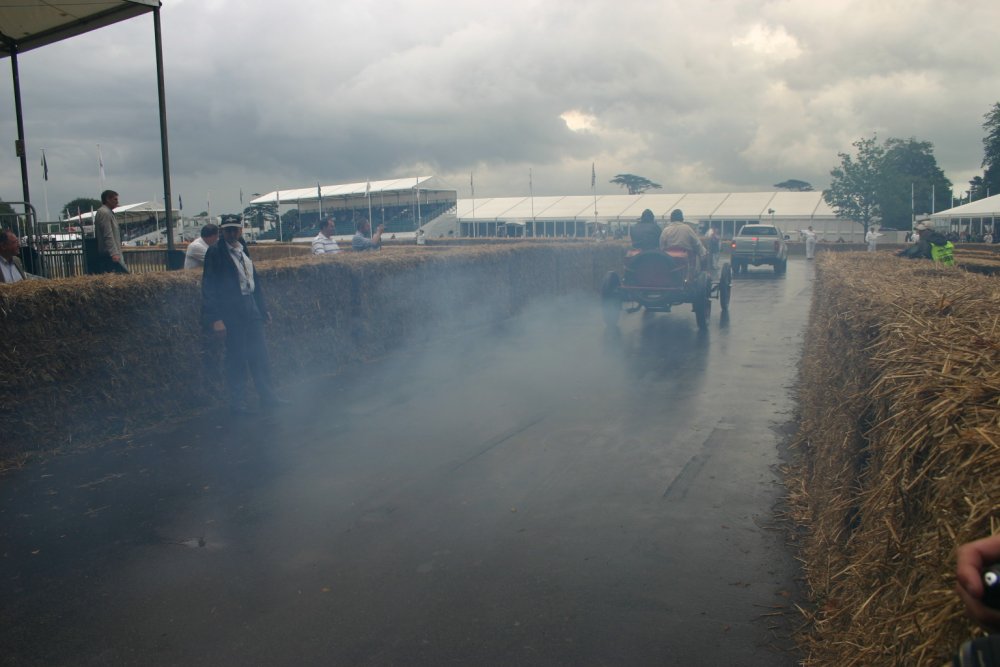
<point>164,149</point>
<point>19,147</point>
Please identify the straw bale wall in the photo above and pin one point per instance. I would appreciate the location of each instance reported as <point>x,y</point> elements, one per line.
<point>100,356</point>
<point>897,458</point>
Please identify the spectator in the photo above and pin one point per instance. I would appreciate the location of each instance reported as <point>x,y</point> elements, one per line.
<point>361,242</point>
<point>871,238</point>
<point>714,248</point>
<point>930,245</point>
<point>109,240</point>
<point>678,234</point>
<point>810,242</point>
<point>324,244</point>
<point>11,269</point>
<point>988,237</point>
<point>233,306</point>
<point>971,560</point>
<point>645,233</point>
<point>194,257</point>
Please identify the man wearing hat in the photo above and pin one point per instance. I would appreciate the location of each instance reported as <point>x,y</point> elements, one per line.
<point>233,307</point>
<point>930,244</point>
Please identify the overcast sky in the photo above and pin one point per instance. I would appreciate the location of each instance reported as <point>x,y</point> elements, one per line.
<point>720,95</point>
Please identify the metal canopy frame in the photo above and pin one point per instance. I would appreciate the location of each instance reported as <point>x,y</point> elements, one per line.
<point>30,24</point>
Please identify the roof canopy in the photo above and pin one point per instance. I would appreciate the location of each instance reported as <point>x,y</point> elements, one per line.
<point>342,190</point>
<point>130,212</point>
<point>696,206</point>
<point>29,24</point>
<point>981,208</point>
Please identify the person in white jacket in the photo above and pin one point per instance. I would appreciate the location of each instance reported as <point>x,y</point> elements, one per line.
<point>810,242</point>
<point>871,239</point>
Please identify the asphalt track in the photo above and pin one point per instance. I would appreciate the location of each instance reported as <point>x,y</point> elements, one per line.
<point>549,492</point>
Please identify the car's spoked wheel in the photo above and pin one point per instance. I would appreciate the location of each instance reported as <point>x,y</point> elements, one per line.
<point>725,286</point>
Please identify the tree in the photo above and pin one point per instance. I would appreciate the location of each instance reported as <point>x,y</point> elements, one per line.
<point>910,177</point>
<point>991,154</point>
<point>636,184</point>
<point>853,192</point>
<point>977,188</point>
<point>795,185</point>
<point>80,205</point>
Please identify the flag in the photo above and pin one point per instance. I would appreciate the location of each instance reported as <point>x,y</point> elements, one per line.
<point>368,188</point>
<point>277,196</point>
<point>180,202</point>
<point>530,184</point>
<point>593,175</point>
<point>241,197</point>
<point>472,185</point>
<point>45,166</point>
<point>100,162</point>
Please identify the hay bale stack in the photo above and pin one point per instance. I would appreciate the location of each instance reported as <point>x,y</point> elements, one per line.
<point>98,356</point>
<point>899,453</point>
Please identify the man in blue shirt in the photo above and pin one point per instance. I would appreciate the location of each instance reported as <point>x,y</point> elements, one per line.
<point>361,242</point>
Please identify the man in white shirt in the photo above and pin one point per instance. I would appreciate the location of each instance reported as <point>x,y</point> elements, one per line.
<point>11,270</point>
<point>194,258</point>
<point>871,238</point>
<point>324,244</point>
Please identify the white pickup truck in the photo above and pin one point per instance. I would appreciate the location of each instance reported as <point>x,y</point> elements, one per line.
<point>759,243</point>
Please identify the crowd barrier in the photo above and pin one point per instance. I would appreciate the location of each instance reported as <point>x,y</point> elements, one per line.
<point>897,460</point>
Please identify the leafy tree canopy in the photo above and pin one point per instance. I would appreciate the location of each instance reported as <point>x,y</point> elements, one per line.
<point>636,185</point>
<point>888,182</point>
<point>80,205</point>
<point>795,185</point>
<point>991,152</point>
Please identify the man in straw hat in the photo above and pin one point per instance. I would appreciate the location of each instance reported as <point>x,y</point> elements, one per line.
<point>930,244</point>
<point>233,306</point>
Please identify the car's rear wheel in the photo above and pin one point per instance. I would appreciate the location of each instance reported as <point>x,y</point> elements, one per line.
<point>780,266</point>
<point>703,301</point>
<point>725,286</point>
<point>611,300</point>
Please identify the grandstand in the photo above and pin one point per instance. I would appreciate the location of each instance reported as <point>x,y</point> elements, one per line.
<point>402,205</point>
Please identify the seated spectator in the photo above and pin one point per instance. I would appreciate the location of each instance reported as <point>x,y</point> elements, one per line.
<point>194,257</point>
<point>646,233</point>
<point>324,244</point>
<point>361,242</point>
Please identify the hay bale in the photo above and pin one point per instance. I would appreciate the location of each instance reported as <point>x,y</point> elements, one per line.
<point>898,453</point>
<point>101,356</point>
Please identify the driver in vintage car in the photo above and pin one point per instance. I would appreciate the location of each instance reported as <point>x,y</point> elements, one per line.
<point>646,233</point>
<point>678,234</point>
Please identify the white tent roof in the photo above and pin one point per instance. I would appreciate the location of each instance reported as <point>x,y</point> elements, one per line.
<point>142,209</point>
<point>696,206</point>
<point>981,208</point>
<point>341,190</point>
<point>33,23</point>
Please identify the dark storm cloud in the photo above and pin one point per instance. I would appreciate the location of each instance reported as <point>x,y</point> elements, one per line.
<point>697,96</point>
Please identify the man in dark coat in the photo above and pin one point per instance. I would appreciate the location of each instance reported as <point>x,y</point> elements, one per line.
<point>233,307</point>
<point>646,233</point>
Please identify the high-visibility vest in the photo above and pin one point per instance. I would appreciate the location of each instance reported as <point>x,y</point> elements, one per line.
<point>943,254</point>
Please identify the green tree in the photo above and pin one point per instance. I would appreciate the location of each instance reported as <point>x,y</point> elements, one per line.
<point>80,205</point>
<point>910,176</point>
<point>636,185</point>
<point>795,185</point>
<point>991,154</point>
<point>977,187</point>
<point>853,192</point>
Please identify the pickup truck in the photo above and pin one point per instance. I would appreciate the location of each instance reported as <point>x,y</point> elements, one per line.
<point>759,243</point>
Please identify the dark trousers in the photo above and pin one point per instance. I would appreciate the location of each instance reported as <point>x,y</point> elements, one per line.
<point>247,347</point>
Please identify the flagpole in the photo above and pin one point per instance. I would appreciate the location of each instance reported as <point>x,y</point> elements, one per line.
<point>368,191</point>
<point>472,187</point>
<point>531,193</point>
<point>45,185</point>
<point>593,186</point>
<point>277,196</point>
<point>319,196</point>
<point>420,221</point>
<point>100,166</point>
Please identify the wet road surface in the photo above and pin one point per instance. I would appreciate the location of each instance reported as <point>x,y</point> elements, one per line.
<point>549,492</point>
